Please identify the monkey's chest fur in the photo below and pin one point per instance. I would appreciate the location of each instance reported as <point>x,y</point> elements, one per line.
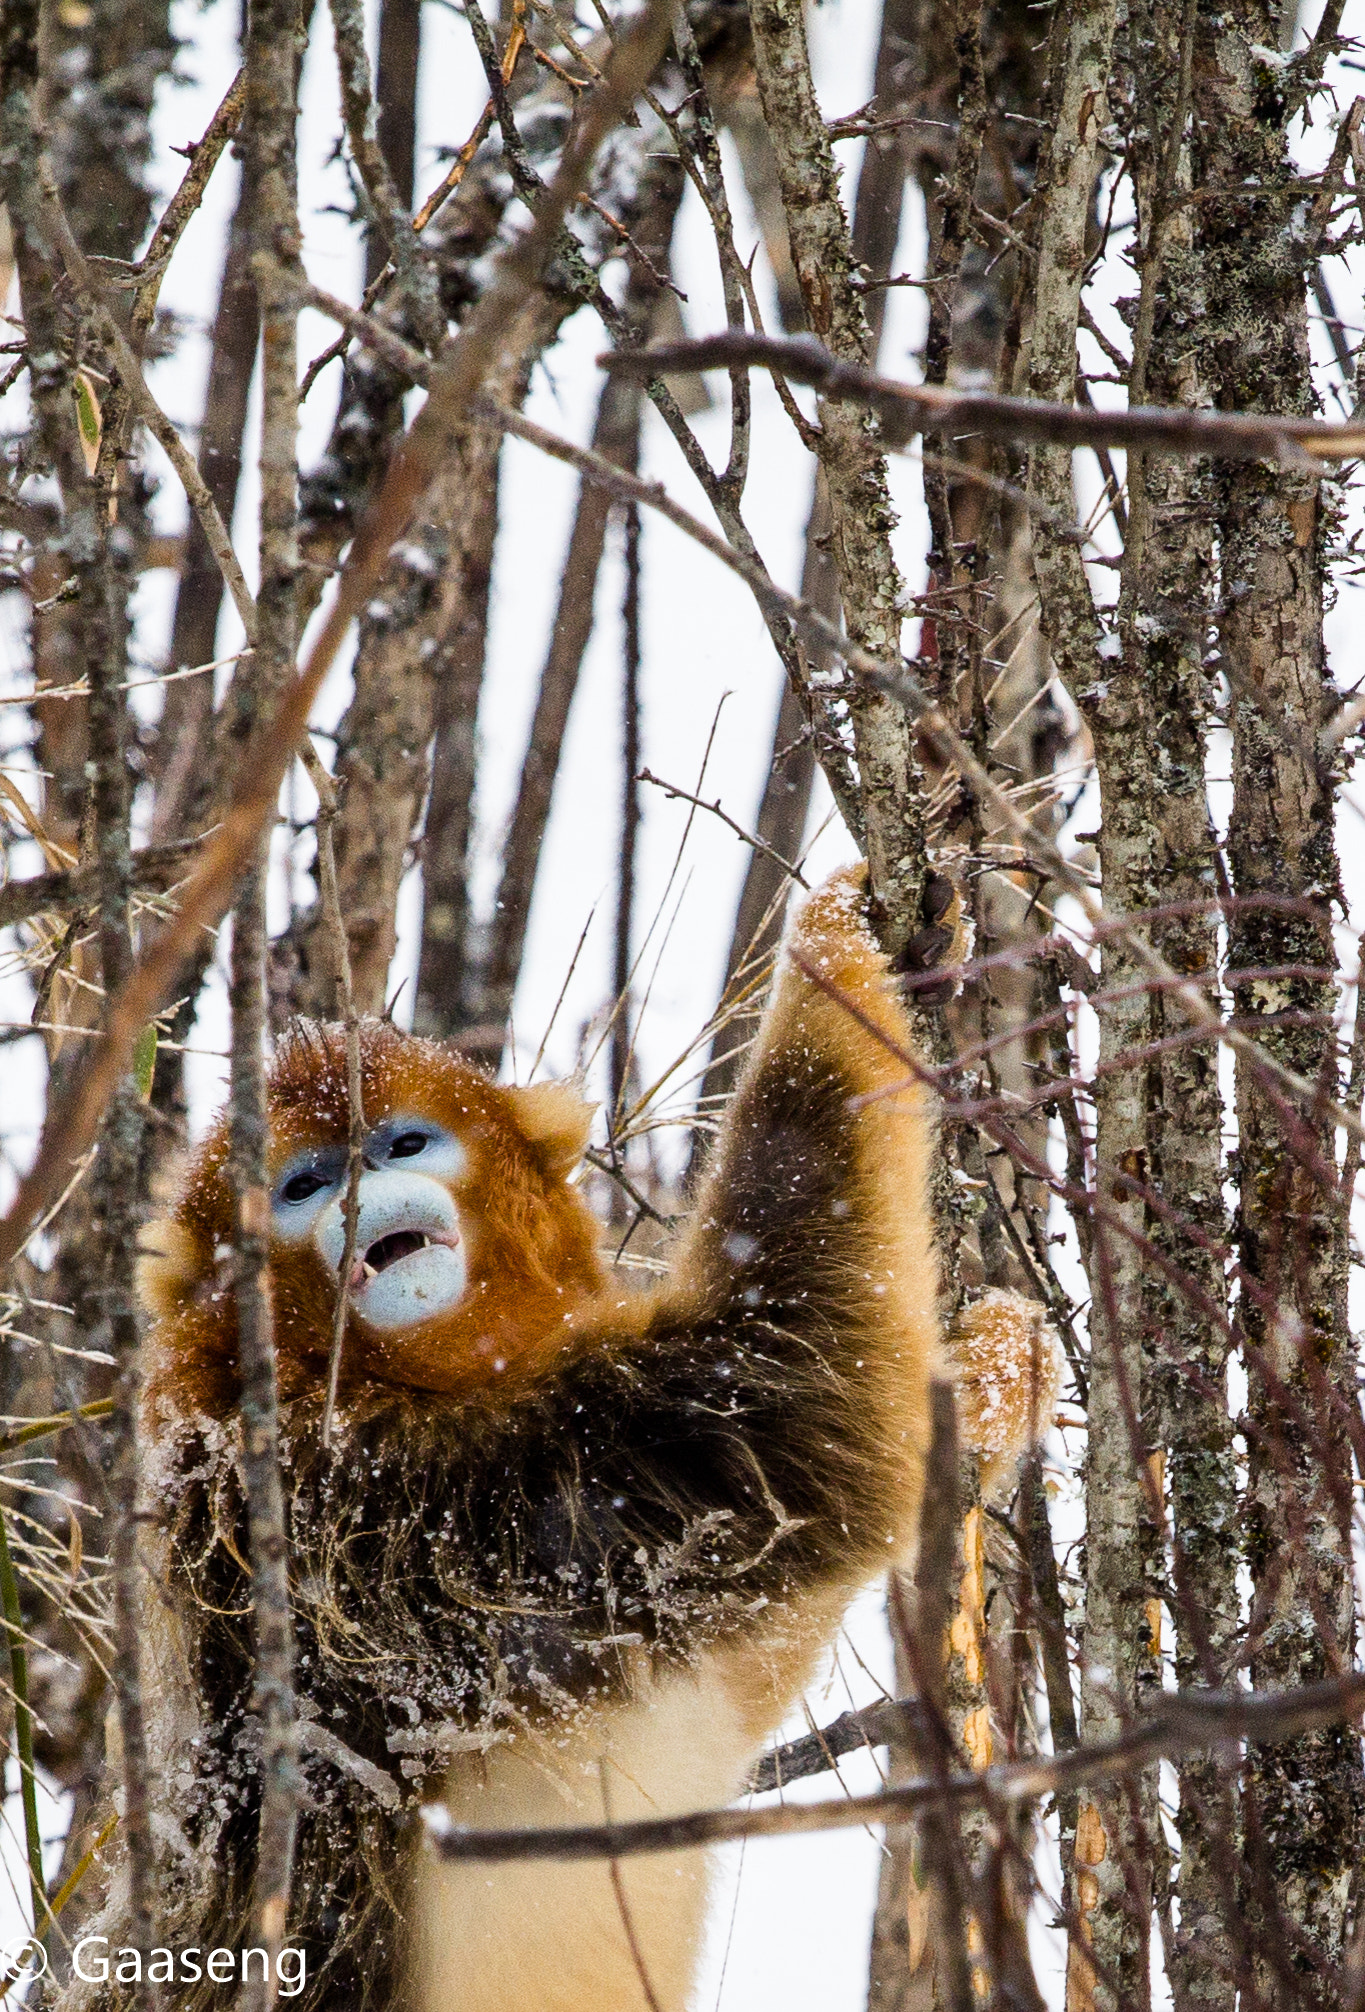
<point>481,1612</point>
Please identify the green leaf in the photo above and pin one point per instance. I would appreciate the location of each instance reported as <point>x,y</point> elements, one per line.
<point>144,1060</point>
<point>88,419</point>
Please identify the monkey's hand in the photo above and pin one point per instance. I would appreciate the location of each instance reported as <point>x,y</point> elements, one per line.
<point>945,939</point>
<point>836,926</point>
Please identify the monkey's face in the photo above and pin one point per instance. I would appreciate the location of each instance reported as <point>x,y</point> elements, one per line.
<point>471,1249</point>
<point>411,1256</point>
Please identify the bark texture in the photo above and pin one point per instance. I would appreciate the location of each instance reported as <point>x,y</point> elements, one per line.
<point>1165,610</point>
<point>274,53</point>
<point>861,518</point>
<point>1305,1801</point>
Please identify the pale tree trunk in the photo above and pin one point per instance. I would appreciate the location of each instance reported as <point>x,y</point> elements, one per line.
<point>785,803</point>
<point>1305,1800</point>
<point>1111,1877</point>
<point>270,169</point>
<point>100,68</point>
<point>1112,1881</point>
<point>1164,615</point>
<point>926,1949</point>
<point>861,520</point>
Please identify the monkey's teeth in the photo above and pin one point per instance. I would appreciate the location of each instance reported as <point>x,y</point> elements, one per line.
<point>390,1249</point>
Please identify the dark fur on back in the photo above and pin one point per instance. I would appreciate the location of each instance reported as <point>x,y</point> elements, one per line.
<point>464,1567</point>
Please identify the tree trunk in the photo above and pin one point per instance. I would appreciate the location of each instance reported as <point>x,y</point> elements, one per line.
<point>1305,1800</point>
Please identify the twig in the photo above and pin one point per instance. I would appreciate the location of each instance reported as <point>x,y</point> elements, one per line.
<point>819,1751</point>
<point>79,688</point>
<point>628,1187</point>
<point>204,159</point>
<point>858,126</point>
<point>758,844</point>
<point>637,1955</point>
<point>156,866</point>
<point>445,188</point>
<point>709,181</point>
<point>908,409</point>
<point>357,98</point>
<point>355,1144</point>
<point>1190,1722</point>
<point>1050,1620</point>
<point>23,1727</point>
<point>622,1035</point>
<point>376,335</point>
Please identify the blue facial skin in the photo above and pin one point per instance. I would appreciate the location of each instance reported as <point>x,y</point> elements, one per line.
<point>312,1178</point>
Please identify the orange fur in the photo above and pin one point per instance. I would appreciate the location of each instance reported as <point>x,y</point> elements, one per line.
<point>1007,1364</point>
<point>602,1536</point>
<point>533,1243</point>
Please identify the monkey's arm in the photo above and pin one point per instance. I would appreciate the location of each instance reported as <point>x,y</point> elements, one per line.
<point>776,1395</point>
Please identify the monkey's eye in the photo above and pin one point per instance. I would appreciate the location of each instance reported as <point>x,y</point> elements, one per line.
<point>406,1138</point>
<point>302,1187</point>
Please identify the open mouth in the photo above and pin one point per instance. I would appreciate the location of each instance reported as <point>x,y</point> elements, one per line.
<point>409,1261</point>
<point>390,1250</point>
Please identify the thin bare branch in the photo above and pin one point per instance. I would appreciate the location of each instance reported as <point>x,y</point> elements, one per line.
<point>1197,1722</point>
<point>204,158</point>
<point>355,1144</point>
<point>672,792</point>
<point>908,409</point>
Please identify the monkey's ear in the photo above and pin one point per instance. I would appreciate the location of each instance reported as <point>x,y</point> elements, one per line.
<point>167,1267</point>
<point>555,1120</point>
